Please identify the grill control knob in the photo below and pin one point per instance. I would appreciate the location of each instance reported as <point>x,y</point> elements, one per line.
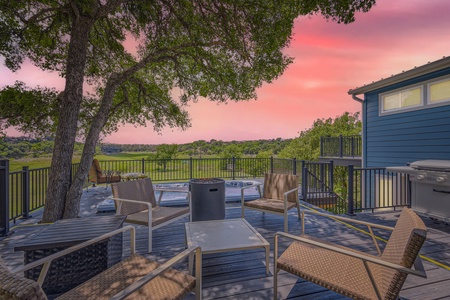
<point>440,179</point>
<point>421,177</point>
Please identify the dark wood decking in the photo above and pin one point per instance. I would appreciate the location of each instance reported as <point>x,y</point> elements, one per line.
<point>241,274</point>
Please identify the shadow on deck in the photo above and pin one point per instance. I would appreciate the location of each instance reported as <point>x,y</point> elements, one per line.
<point>241,274</point>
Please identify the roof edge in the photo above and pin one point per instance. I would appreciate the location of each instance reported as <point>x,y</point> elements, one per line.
<point>406,75</point>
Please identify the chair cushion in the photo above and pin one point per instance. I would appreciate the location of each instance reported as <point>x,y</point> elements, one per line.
<point>16,287</point>
<point>171,284</point>
<point>338,272</point>
<point>160,214</point>
<point>274,205</point>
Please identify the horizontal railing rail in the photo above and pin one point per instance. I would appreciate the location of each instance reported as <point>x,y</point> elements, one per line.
<point>341,146</point>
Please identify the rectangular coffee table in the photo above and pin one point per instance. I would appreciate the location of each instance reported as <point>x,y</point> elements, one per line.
<point>224,235</point>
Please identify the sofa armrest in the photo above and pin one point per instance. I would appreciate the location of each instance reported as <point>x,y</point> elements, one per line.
<point>174,190</point>
<point>257,185</point>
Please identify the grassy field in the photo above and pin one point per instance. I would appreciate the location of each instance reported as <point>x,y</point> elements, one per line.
<point>44,162</point>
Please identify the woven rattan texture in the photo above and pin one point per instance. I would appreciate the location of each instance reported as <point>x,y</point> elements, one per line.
<point>16,287</point>
<point>275,185</point>
<point>347,275</point>
<point>403,247</point>
<point>75,268</point>
<point>171,284</point>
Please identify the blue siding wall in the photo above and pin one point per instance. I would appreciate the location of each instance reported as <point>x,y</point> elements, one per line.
<point>398,139</point>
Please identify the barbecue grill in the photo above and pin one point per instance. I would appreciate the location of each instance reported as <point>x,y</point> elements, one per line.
<point>430,187</point>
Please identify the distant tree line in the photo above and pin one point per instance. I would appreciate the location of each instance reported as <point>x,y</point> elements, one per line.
<point>19,147</point>
<point>304,147</point>
<point>202,147</point>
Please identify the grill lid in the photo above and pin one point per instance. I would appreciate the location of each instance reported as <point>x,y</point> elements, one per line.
<point>431,165</point>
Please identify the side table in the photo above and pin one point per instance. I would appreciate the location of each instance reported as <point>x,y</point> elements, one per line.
<point>73,269</point>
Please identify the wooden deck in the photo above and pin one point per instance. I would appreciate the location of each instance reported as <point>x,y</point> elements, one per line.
<point>241,274</point>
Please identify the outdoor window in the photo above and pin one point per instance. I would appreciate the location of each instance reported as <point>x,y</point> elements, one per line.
<point>427,94</point>
<point>402,99</point>
<point>439,91</point>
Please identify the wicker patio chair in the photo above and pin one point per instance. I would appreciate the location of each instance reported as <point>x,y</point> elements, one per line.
<point>97,176</point>
<point>352,273</point>
<point>280,194</point>
<point>136,200</point>
<point>135,277</point>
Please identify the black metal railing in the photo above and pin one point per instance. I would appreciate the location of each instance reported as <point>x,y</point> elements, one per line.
<point>4,197</point>
<point>375,188</point>
<point>317,187</point>
<point>341,146</point>
<point>186,169</point>
<point>364,189</point>
<point>24,191</point>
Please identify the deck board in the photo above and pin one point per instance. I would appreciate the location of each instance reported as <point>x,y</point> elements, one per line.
<point>241,274</point>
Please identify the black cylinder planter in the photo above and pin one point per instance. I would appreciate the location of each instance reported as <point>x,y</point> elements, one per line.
<point>208,199</point>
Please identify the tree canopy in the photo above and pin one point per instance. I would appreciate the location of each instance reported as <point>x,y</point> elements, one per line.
<point>137,61</point>
<point>307,145</point>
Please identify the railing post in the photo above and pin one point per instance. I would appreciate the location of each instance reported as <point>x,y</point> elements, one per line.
<point>305,183</point>
<point>321,146</point>
<point>331,172</point>
<point>294,166</point>
<point>341,146</point>
<point>271,165</point>
<point>143,166</point>
<point>191,172</point>
<point>26,191</point>
<point>322,176</point>
<point>233,168</point>
<point>302,167</point>
<point>4,197</point>
<point>353,145</point>
<point>350,193</point>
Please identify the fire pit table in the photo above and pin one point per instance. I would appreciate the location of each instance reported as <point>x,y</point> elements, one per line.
<point>208,199</point>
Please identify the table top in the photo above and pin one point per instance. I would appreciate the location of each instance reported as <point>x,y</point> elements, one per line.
<point>69,232</point>
<point>223,235</point>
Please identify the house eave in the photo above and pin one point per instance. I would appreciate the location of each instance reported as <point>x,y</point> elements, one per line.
<point>406,75</point>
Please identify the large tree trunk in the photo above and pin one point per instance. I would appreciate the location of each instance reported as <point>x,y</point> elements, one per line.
<point>72,203</point>
<point>59,179</point>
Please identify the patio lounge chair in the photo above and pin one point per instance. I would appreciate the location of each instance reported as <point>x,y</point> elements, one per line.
<point>136,200</point>
<point>134,277</point>
<point>279,196</point>
<point>353,273</point>
<point>97,176</point>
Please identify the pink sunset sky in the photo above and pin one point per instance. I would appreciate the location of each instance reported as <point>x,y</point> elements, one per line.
<point>329,59</point>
